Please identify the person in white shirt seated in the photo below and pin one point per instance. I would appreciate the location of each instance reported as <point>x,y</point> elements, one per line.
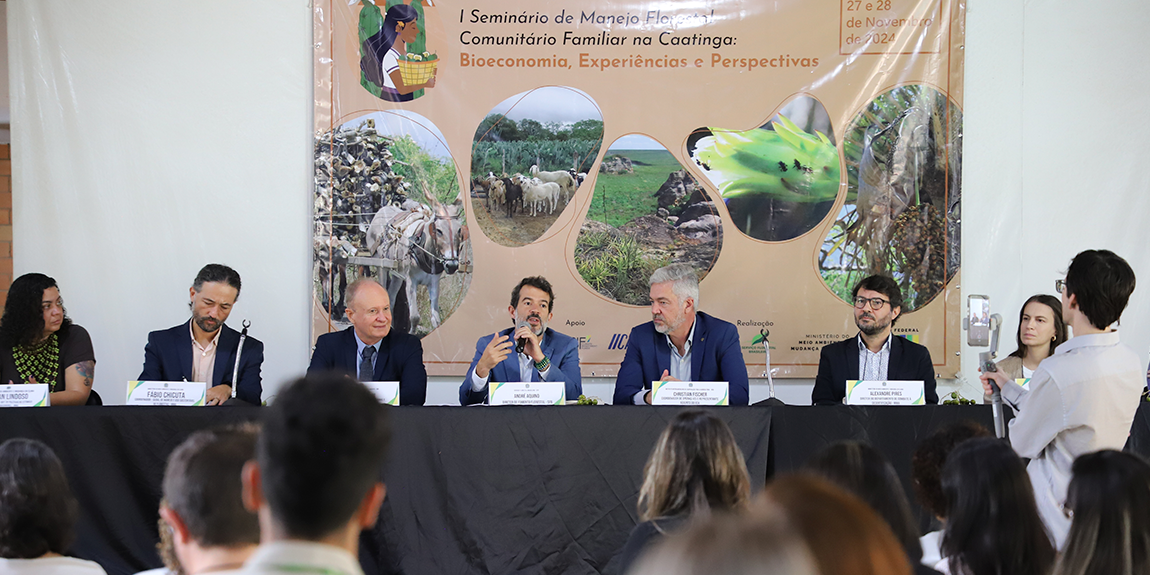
<point>315,482</point>
<point>1041,329</point>
<point>37,513</point>
<point>1082,398</point>
<point>203,524</point>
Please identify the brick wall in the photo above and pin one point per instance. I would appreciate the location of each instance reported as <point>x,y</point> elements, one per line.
<point>5,221</point>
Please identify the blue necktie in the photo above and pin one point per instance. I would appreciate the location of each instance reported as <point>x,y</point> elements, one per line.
<point>366,371</point>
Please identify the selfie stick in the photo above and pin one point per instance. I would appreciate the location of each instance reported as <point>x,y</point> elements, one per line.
<point>239,351</point>
<point>986,362</point>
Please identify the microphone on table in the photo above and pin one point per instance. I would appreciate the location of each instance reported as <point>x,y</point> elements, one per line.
<point>772,400</point>
<point>522,342</point>
<point>236,368</point>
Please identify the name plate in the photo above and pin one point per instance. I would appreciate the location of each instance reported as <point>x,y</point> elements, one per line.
<point>387,392</point>
<point>523,393</point>
<point>690,393</point>
<point>24,395</point>
<point>1023,382</point>
<point>892,392</point>
<point>182,393</point>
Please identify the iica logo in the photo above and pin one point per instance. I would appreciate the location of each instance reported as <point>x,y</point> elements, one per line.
<point>618,341</point>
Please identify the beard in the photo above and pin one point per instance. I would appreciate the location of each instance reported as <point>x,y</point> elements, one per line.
<point>874,327</point>
<point>542,323</point>
<point>667,326</point>
<point>208,324</point>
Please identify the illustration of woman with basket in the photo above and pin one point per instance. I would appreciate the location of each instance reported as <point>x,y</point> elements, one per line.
<point>385,62</point>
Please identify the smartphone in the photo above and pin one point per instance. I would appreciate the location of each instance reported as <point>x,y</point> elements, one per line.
<point>978,318</point>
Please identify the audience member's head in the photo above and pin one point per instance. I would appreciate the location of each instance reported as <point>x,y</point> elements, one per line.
<point>1098,285</point>
<point>992,522</point>
<point>845,535</point>
<point>203,506</point>
<point>760,543</point>
<point>928,458</point>
<point>319,460</point>
<point>1040,325</point>
<point>1109,498</point>
<point>37,510</point>
<point>863,471</point>
<point>695,467</point>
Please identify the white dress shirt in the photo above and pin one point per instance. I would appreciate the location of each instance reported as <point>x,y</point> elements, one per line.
<point>526,366</point>
<point>874,365</point>
<point>1081,399</point>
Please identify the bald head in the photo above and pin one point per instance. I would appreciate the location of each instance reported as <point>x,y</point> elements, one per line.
<point>368,309</point>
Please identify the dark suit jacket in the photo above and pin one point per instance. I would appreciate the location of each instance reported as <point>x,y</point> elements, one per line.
<point>168,357</point>
<point>715,356</point>
<point>400,359</point>
<point>839,362</point>
<point>562,350</point>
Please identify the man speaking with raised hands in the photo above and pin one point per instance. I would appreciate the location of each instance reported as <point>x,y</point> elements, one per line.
<point>530,351</point>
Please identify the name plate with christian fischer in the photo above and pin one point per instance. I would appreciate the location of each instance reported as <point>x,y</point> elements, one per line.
<point>24,395</point>
<point>890,392</point>
<point>387,392</point>
<point>527,393</point>
<point>690,393</point>
<point>178,393</point>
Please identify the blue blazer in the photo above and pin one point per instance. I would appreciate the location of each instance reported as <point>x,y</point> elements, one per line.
<point>400,359</point>
<point>168,357</point>
<point>715,356</point>
<point>839,362</point>
<point>562,350</point>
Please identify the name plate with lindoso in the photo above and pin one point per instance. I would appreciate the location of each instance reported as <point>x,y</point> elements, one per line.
<point>690,393</point>
<point>527,393</point>
<point>889,392</point>
<point>387,392</point>
<point>169,393</point>
<point>24,395</point>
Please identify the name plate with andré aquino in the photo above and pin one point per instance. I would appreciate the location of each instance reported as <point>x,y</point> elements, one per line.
<point>891,392</point>
<point>524,393</point>
<point>690,393</point>
<point>179,393</point>
<point>24,395</point>
<point>387,392</point>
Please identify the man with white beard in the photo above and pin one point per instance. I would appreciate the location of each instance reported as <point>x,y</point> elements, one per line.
<point>547,355</point>
<point>680,343</point>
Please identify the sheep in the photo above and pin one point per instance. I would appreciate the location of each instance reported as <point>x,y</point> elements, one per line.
<point>536,191</point>
<point>512,192</point>
<point>565,180</point>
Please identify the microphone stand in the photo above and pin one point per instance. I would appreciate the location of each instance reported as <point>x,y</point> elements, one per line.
<point>239,352</point>
<point>772,400</point>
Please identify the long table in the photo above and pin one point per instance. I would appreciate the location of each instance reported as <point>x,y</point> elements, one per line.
<point>470,490</point>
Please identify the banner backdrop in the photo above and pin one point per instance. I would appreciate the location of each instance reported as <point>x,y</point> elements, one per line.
<point>784,150</point>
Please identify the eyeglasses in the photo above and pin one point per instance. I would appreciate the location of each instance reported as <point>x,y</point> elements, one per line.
<point>1059,285</point>
<point>876,303</point>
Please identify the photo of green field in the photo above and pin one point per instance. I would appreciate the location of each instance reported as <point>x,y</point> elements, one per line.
<point>646,211</point>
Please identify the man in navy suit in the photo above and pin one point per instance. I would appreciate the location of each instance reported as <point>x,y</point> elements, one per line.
<point>874,354</point>
<point>680,343</point>
<point>547,354</point>
<point>370,350</point>
<point>203,348</point>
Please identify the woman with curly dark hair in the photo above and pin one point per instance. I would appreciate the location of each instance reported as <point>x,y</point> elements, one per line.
<point>37,513</point>
<point>40,344</point>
